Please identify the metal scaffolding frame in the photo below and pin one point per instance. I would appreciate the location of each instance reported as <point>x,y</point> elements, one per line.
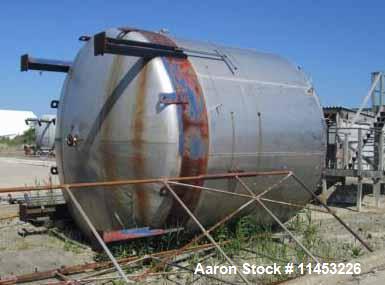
<point>367,158</point>
<point>168,182</point>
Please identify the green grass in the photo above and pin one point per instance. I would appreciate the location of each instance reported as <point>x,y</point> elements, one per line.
<point>140,247</point>
<point>253,243</point>
<point>69,246</point>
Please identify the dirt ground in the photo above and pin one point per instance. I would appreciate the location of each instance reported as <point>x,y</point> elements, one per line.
<point>45,251</point>
<point>370,225</point>
<point>40,252</point>
<point>20,255</point>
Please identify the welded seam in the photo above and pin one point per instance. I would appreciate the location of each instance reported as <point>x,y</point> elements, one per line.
<point>278,153</point>
<point>254,81</point>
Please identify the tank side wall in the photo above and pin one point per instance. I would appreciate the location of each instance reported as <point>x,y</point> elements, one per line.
<point>263,115</point>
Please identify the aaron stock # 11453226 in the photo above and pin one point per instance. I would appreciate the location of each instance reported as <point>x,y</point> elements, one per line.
<point>246,268</point>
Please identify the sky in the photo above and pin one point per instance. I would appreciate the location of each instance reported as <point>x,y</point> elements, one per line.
<point>337,43</point>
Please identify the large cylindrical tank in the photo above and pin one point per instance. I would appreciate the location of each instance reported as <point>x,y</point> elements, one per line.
<point>250,111</point>
<point>45,128</point>
<point>45,132</point>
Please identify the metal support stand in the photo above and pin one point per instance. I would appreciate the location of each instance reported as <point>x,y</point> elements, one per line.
<point>377,192</point>
<point>346,151</point>
<point>257,199</point>
<point>359,194</point>
<point>222,221</point>
<point>332,213</point>
<point>97,236</point>
<point>250,197</point>
<point>375,80</point>
<point>359,169</point>
<point>211,239</point>
<point>380,167</point>
<point>381,151</point>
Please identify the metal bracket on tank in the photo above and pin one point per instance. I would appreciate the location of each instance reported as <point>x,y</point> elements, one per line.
<point>104,44</point>
<point>84,38</point>
<point>227,61</point>
<point>29,63</point>
<point>39,121</point>
<point>27,121</point>
<point>54,104</point>
<point>54,170</point>
<point>180,97</point>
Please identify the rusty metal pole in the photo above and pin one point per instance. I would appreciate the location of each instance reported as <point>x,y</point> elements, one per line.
<point>209,237</point>
<point>226,218</point>
<point>221,222</point>
<point>142,181</point>
<point>192,271</point>
<point>293,205</point>
<point>214,190</point>
<point>212,228</point>
<point>269,188</point>
<point>110,270</point>
<point>287,230</point>
<point>97,236</point>
<point>304,186</point>
<point>82,268</point>
<point>257,199</point>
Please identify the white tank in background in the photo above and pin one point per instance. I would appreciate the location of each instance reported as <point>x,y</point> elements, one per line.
<point>44,132</point>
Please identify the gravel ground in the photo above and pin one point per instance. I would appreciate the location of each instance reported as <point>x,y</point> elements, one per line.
<point>18,254</point>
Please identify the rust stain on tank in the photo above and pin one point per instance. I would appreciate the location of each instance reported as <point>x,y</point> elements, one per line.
<point>194,133</point>
<point>192,124</point>
<point>137,142</point>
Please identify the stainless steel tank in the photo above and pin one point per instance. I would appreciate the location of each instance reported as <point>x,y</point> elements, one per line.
<point>45,128</point>
<point>242,111</point>
<point>45,132</point>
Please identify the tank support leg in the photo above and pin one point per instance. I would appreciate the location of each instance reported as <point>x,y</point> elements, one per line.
<point>97,236</point>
